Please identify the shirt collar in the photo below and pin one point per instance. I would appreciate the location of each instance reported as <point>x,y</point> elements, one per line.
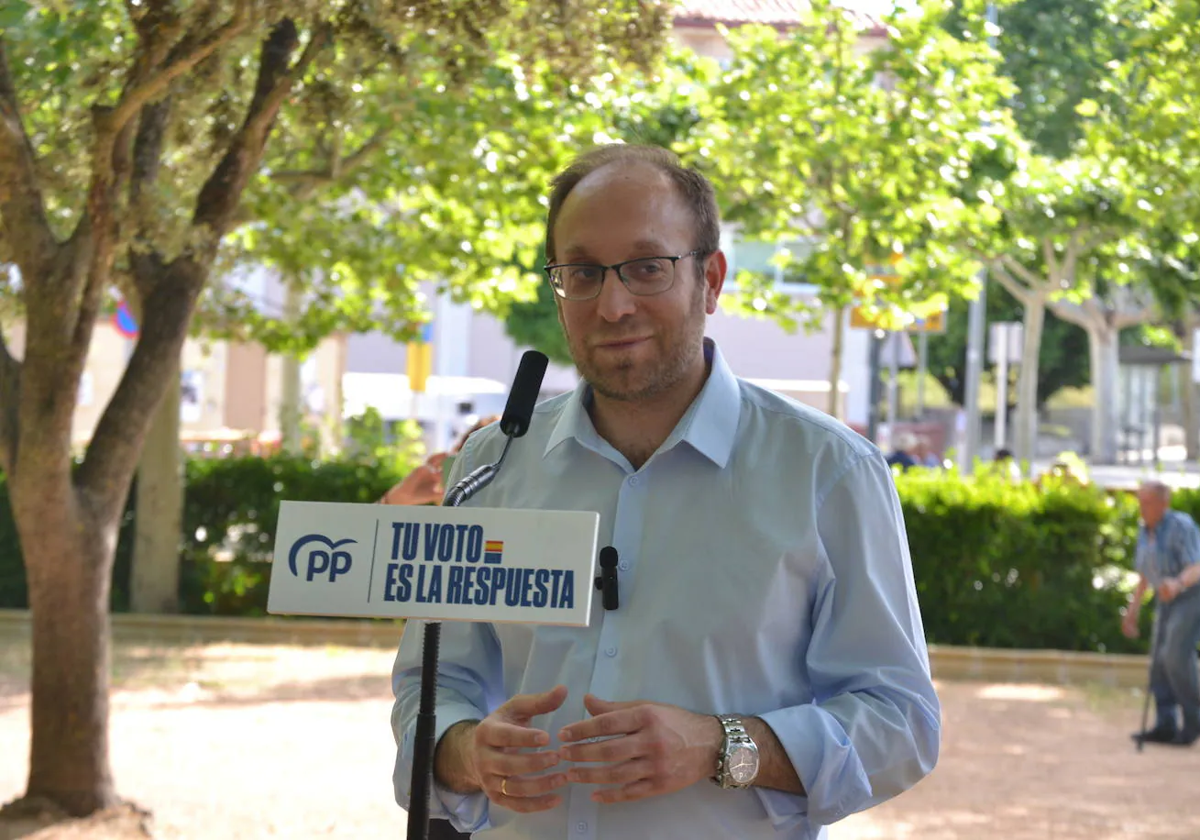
<point>709,425</point>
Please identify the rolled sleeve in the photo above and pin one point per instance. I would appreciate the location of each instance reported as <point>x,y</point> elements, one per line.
<point>466,811</point>
<point>824,759</point>
<point>874,728</point>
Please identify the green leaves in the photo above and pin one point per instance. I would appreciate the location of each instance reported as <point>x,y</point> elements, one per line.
<point>805,142</point>
<point>416,148</point>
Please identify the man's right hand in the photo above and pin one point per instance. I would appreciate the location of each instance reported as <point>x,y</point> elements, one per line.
<point>506,755</point>
<point>1129,624</point>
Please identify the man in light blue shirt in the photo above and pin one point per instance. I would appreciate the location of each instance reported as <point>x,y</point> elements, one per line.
<point>1168,563</point>
<point>767,638</point>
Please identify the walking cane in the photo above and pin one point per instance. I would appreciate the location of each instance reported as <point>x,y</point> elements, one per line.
<point>1141,739</point>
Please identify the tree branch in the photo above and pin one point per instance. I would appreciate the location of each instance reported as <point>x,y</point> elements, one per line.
<point>111,457</point>
<point>1014,287</point>
<point>22,208</point>
<point>148,82</point>
<point>1071,312</point>
<point>1096,306</point>
<point>10,399</point>
<point>147,160</point>
<point>1014,269</point>
<point>111,154</point>
<point>1073,253</point>
<point>1133,307</point>
<point>1052,265</point>
<point>307,182</point>
<point>219,197</point>
<point>167,309</point>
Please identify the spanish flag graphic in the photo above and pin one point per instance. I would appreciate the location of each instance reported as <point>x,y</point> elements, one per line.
<point>493,551</point>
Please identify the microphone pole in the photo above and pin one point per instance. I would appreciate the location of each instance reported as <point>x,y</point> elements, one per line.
<point>518,412</point>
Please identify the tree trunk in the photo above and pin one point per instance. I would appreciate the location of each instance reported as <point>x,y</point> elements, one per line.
<point>835,363</point>
<point>289,392</point>
<point>1102,343</point>
<point>1027,380</point>
<point>69,557</point>
<point>332,434</point>
<point>154,578</point>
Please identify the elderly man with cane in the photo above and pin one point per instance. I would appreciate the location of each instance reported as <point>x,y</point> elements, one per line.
<point>1168,561</point>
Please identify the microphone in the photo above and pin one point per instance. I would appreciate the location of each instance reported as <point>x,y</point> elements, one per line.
<point>514,423</point>
<point>606,581</point>
<point>522,399</point>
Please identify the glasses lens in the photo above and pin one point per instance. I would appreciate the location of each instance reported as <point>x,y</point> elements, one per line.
<point>649,276</point>
<point>577,281</point>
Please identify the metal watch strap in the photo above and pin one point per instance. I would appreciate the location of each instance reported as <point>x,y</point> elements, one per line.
<point>735,733</point>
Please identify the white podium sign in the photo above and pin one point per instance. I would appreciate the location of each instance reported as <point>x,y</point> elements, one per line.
<point>456,564</point>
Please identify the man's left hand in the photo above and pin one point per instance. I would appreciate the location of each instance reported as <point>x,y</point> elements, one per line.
<point>1169,589</point>
<point>650,748</point>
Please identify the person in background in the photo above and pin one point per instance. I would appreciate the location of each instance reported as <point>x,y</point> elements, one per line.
<point>425,485</point>
<point>923,454</point>
<point>1005,465</point>
<point>422,486</point>
<point>903,453</point>
<point>1168,564</point>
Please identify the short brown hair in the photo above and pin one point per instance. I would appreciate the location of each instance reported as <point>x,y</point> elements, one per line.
<point>695,189</point>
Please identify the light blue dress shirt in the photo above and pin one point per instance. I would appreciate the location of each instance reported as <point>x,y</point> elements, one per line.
<point>764,571</point>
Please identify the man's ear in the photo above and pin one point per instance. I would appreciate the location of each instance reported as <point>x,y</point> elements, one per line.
<point>715,267</point>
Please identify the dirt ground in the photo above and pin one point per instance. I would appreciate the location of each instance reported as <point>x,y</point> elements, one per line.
<point>249,742</point>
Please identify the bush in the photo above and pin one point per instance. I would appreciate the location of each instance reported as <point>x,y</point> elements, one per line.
<point>230,510</point>
<point>1004,565</point>
<point>996,564</point>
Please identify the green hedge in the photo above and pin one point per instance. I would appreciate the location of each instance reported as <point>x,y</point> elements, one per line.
<point>996,564</point>
<point>1002,565</point>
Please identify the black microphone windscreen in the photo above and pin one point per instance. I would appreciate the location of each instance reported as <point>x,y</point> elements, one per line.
<point>523,397</point>
<point>608,557</point>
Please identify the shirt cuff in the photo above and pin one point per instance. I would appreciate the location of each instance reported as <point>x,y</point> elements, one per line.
<point>467,812</point>
<point>835,783</point>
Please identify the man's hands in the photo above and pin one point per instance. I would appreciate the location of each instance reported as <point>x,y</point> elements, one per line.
<point>650,749</point>
<point>1129,624</point>
<point>422,486</point>
<point>501,762</point>
<point>1169,589</point>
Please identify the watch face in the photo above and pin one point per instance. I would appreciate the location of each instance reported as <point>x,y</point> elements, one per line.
<point>743,765</point>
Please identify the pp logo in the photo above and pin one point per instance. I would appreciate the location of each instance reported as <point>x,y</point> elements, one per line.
<point>324,559</point>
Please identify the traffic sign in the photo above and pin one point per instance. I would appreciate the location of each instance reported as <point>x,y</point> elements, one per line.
<point>124,321</point>
<point>895,320</point>
<point>420,360</point>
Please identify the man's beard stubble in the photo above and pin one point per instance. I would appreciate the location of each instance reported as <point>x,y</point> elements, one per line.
<point>660,378</point>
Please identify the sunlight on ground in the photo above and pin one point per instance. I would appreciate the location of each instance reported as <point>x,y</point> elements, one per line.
<point>1029,693</point>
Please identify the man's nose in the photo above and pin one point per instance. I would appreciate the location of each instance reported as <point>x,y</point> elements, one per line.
<point>615,301</point>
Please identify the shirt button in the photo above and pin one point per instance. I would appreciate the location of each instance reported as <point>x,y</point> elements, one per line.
<point>612,651</point>
<point>581,827</point>
<point>633,480</point>
<point>624,566</point>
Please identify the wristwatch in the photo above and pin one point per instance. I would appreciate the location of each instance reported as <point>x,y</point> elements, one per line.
<point>737,762</point>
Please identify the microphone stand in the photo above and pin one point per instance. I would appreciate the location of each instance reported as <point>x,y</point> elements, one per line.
<point>424,746</point>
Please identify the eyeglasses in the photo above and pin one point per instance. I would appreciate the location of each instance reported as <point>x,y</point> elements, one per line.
<point>644,276</point>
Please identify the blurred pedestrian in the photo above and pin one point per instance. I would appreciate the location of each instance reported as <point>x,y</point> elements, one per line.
<point>1168,563</point>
